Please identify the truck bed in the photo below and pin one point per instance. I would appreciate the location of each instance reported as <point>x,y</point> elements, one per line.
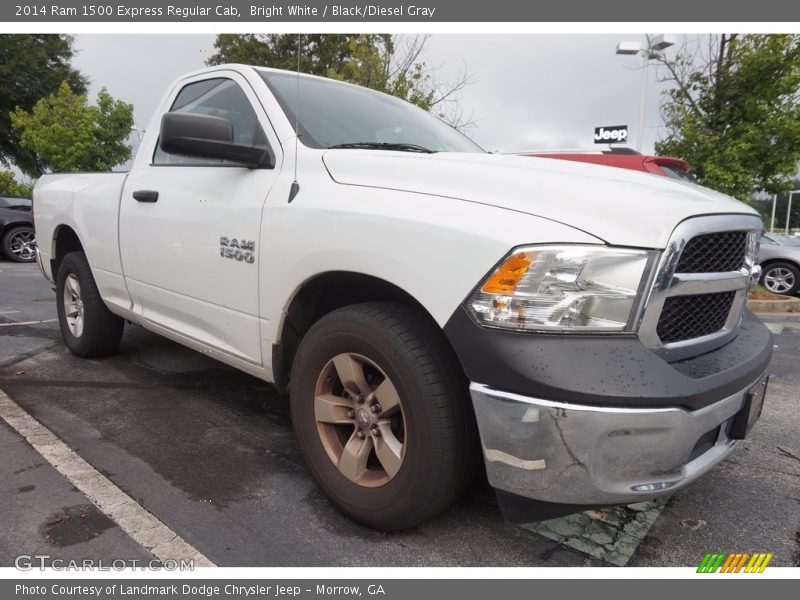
<point>88,203</point>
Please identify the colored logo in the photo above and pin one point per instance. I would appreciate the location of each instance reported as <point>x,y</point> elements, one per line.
<point>737,562</point>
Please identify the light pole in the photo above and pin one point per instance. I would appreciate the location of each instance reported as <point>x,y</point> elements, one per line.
<point>789,210</point>
<point>774,204</point>
<point>138,132</point>
<point>653,48</point>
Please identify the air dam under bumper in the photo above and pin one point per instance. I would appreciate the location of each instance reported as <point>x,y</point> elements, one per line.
<point>582,455</point>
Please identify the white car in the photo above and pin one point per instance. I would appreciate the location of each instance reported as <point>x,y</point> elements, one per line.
<point>424,303</point>
<point>779,258</point>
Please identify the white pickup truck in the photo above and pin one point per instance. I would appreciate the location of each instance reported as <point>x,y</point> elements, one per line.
<point>424,303</point>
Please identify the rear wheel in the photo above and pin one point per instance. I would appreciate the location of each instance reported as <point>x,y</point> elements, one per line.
<point>781,278</point>
<point>89,329</point>
<point>19,244</point>
<point>381,411</point>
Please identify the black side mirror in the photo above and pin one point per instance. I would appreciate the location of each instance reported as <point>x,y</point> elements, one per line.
<point>204,136</point>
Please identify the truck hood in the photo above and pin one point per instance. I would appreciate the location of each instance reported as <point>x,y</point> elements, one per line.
<point>618,206</point>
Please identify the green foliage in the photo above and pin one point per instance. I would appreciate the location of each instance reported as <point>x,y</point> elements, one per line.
<point>69,135</point>
<point>9,186</point>
<point>369,60</point>
<point>32,66</point>
<point>319,53</point>
<point>734,113</point>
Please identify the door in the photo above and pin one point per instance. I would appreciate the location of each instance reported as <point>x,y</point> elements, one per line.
<point>189,228</point>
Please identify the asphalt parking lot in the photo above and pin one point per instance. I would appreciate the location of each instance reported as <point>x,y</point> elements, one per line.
<point>209,451</point>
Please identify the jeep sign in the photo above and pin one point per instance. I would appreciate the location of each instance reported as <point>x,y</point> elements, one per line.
<point>615,134</point>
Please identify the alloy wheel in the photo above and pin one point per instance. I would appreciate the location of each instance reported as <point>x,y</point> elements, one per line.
<point>73,305</point>
<point>23,245</point>
<point>779,280</point>
<point>360,419</point>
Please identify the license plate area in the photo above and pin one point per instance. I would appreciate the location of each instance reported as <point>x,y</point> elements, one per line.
<point>744,420</point>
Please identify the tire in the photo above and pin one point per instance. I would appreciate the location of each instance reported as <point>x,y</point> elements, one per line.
<point>89,329</point>
<point>781,278</point>
<point>19,244</point>
<point>440,449</point>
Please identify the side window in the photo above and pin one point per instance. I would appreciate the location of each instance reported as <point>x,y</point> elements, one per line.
<point>219,98</point>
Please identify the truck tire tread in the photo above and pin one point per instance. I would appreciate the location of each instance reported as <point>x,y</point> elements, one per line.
<point>102,328</point>
<point>453,458</point>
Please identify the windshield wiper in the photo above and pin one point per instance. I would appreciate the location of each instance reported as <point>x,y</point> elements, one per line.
<point>384,146</point>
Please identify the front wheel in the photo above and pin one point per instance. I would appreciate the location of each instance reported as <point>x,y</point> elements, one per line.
<point>89,329</point>
<point>781,278</point>
<point>381,411</point>
<point>19,244</point>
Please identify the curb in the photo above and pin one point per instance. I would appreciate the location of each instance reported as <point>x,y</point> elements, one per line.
<point>784,305</point>
<point>791,317</point>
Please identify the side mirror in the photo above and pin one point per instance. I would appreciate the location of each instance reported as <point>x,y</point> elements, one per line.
<point>204,136</point>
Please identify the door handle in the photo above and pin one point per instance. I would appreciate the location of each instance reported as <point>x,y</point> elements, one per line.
<point>145,196</point>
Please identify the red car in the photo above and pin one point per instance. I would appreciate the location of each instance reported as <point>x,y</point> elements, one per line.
<point>665,166</point>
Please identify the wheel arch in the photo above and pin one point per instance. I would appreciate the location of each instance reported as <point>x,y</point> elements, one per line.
<point>65,240</point>
<point>772,261</point>
<point>320,295</point>
<point>6,227</point>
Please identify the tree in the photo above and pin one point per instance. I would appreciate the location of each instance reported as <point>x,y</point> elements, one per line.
<point>31,67</point>
<point>733,111</point>
<point>9,186</point>
<point>67,134</point>
<point>377,61</point>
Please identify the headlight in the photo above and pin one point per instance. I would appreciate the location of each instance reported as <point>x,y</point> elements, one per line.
<point>563,288</point>
<point>753,246</point>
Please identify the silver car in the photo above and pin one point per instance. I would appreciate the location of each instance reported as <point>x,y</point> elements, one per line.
<point>780,263</point>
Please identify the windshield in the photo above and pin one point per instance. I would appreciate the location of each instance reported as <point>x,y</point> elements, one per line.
<point>334,114</point>
<point>674,173</point>
<point>789,240</point>
<point>779,239</point>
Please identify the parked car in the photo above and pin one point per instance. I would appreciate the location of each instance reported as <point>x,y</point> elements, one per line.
<point>17,238</point>
<point>779,257</point>
<point>666,166</point>
<point>421,300</point>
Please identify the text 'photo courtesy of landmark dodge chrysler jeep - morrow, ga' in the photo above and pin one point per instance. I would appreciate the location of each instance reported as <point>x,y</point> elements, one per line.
<point>424,303</point>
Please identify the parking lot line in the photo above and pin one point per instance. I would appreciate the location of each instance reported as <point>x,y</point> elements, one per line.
<point>139,524</point>
<point>17,324</point>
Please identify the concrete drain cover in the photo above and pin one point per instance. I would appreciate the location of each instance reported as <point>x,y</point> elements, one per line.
<point>609,534</point>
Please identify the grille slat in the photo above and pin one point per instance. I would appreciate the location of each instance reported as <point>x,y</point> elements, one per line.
<point>717,252</point>
<point>687,317</point>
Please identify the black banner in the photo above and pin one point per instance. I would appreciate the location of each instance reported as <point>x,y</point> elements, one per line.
<point>253,11</point>
<point>745,586</point>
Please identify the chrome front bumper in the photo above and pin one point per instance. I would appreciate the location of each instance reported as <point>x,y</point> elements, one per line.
<point>590,455</point>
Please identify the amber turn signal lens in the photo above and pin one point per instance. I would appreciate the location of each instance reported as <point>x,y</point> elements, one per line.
<point>507,276</point>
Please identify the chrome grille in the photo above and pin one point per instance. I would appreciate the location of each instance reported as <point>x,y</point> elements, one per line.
<point>688,317</point>
<point>700,287</point>
<point>718,252</point>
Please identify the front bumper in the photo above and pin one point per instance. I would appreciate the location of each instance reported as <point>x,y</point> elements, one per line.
<point>585,421</point>
<point>40,263</point>
<point>582,455</point>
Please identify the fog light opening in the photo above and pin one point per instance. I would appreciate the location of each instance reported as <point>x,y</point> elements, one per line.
<point>654,487</point>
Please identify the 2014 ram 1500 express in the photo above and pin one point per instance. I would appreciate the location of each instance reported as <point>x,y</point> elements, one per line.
<point>425,303</point>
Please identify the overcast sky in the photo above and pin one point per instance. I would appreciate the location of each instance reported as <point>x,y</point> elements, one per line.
<point>530,91</point>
